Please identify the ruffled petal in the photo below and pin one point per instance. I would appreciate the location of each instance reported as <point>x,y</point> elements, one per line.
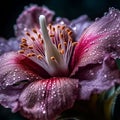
<point>99,39</point>
<point>4,47</point>
<point>11,44</point>
<point>79,25</point>
<point>16,71</point>
<point>47,98</point>
<point>97,78</point>
<point>29,18</point>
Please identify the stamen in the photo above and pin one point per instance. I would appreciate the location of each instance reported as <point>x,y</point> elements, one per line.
<point>51,51</point>
<point>51,35</point>
<point>30,47</point>
<point>39,36</point>
<point>28,34</point>
<point>62,51</point>
<point>52,58</point>
<point>59,46</point>
<point>35,31</point>
<point>30,54</point>
<point>39,56</point>
<point>70,33</point>
<point>74,43</point>
<point>33,38</point>
<point>23,40</point>
<point>21,51</point>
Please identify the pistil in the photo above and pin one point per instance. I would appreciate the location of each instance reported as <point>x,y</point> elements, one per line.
<point>53,56</point>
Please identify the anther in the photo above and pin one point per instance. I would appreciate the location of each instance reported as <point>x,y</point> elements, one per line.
<point>52,58</point>
<point>65,43</point>
<point>30,47</point>
<point>21,51</point>
<point>53,29</point>
<point>30,54</point>
<point>35,31</point>
<point>50,26</point>
<point>58,26</point>
<point>39,36</point>
<point>61,35</point>
<point>62,51</point>
<point>70,33</point>
<point>74,43</point>
<point>42,41</point>
<point>63,27</point>
<point>23,40</point>
<point>33,38</point>
<point>28,34</point>
<point>39,56</point>
<point>59,46</point>
<point>51,35</point>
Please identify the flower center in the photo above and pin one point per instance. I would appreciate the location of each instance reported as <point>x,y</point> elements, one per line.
<point>50,47</point>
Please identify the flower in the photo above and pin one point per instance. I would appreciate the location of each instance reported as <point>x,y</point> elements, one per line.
<point>53,68</point>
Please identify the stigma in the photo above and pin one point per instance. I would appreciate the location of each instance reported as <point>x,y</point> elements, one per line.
<point>50,46</point>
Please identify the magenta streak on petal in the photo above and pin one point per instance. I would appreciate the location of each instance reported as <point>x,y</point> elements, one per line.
<point>104,37</point>
<point>81,48</point>
<point>47,98</point>
<point>16,71</point>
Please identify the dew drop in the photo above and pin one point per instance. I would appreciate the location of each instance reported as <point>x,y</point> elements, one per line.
<point>105,76</point>
<point>44,111</point>
<point>96,19</point>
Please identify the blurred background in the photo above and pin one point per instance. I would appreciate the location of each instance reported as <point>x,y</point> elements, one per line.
<point>71,9</point>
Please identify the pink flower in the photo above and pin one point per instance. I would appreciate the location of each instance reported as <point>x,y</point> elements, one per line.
<point>52,71</point>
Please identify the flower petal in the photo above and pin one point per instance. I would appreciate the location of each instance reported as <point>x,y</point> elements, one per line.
<point>98,77</point>
<point>29,18</point>
<point>99,39</point>
<point>15,72</point>
<point>3,46</point>
<point>8,45</point>
<point>79,25</point>
<point>47,98</point>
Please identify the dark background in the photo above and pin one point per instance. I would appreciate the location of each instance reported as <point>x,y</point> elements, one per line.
<point>10,9</point>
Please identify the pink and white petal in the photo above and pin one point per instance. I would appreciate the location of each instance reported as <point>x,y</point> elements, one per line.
<point>29,18</point>
<point>98,78</point>
<point>16,71</point>
<point>47,98</point>
<point>99,39</point>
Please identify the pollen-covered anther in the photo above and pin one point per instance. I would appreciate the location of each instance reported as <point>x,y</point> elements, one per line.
<point>63,27</point>
<point>42,41</point>
<point>23,40</point>
<point>61,35</point>
<point>50,26</point>
<point>33,38</point>
<point>59,46</point>
<point>52,35</point>
<point>21,51</point>
<point>74,43</point>
<point>30,47</point>
<point>62,51</point>
<point>35,31</point>
<point>39,36</point>
<point>23,45</point>
<point>53,28</point>
<point>70,33</point>
<point>28,34</point>
<point>52,58</point>
<point>39,56</point>
<point>65,43</point>
<point>31,55</point>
